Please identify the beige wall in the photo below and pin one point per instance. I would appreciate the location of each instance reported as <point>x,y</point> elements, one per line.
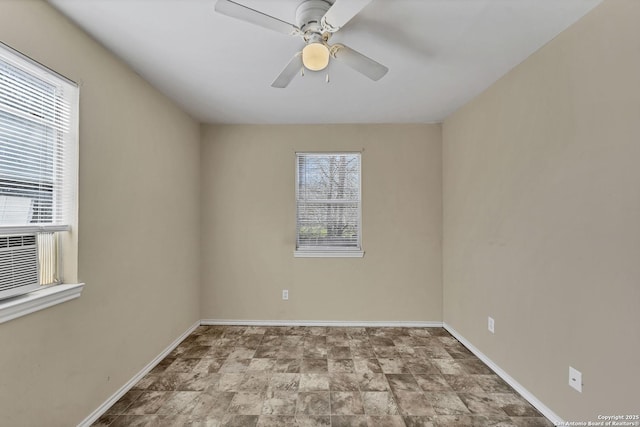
<point>249,220</point>
<point>138,234</point>
<point>540,224</point>
<point>541,217</point>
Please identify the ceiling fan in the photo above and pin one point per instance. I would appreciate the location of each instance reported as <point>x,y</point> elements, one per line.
<point>317,20</point>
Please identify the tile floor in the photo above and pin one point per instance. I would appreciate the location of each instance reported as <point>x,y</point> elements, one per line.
<point>318,376</point>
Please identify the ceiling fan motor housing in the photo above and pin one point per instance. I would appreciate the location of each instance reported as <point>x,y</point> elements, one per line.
<point>310,13</point>
<point>316,21</point>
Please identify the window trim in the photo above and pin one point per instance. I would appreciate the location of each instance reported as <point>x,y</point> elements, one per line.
<point>45,297</point>
<point>329,251</point>
<point>324,253</point>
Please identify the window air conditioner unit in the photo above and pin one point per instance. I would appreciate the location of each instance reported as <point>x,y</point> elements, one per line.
<point>18,265</point>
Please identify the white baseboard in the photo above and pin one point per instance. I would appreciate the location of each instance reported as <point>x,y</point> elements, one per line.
<point>125,388</point>
<point>544,409</point>
<point>335,323</point>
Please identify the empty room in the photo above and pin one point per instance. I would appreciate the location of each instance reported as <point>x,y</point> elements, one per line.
<point>319,213</point>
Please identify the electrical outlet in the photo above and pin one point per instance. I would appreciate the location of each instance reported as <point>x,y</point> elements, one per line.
<point>285,294</point>
<point>575,379</point>
<point>491,325</point>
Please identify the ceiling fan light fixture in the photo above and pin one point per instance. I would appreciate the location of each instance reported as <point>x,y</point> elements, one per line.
<point>315,56</point>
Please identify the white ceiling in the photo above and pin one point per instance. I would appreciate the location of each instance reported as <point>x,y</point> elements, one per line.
<point>440,53</point>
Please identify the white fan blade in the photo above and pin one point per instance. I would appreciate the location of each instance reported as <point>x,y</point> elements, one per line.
<point>341,12</point>
<point>363,64</point>
<point>293,67</point>
<point>244,13</point>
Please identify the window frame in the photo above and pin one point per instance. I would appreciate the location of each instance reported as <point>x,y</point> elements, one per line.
<point>66,231</point>
<point>328,251</point>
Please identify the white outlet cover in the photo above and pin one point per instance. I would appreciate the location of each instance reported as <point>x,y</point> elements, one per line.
<point>575,379</point>
<point>491,325</point>
<point>285,294</point>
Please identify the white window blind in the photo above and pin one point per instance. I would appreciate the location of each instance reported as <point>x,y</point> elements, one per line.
<point>38,146</point>
<point>328,201</point>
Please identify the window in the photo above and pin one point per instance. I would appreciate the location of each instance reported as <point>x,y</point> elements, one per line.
<point>38,155</point>
<point>328,204</point>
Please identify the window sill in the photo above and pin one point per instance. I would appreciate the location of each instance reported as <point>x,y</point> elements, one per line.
<point>328,254</point>
<point>45,297</point>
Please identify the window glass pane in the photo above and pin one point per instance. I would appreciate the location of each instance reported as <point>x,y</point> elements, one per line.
<point>26,93</point>
<point>331,177</point>
<point>26,171</point>
<point>328,201</point>
<point>38,146</point>
<point>328,224</point>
